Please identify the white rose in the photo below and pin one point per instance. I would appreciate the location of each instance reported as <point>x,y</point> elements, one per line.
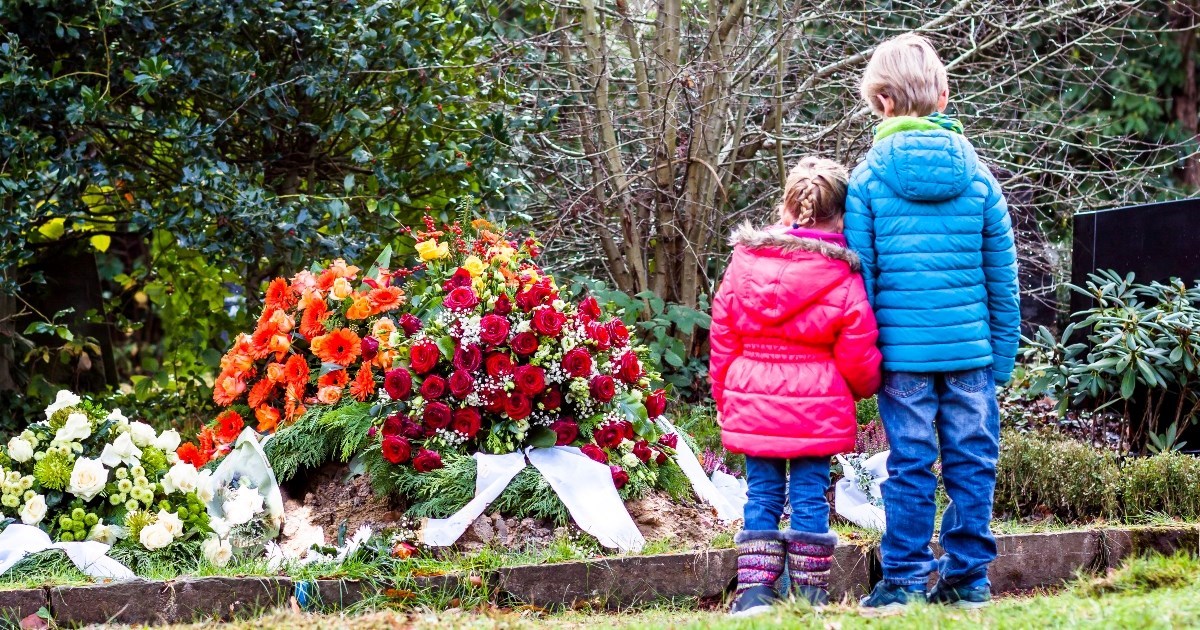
<point>204,486</point>
<point>20,450</point>
<point>168,441</point>
<point>243,506</point>
<point>217,551</point>
<point>121,451</point>
<point>173,524</point>
<point>118,417</point>
<point>219,526</point>
<point>182,478</point>
<point>155,536</point>
<point>77,428</point>
<point>34,510</point>
<point>87,478</point>
<point>142,433</point>
<point>629,460</point>
<point>63,400</point>
<point>107,534</point>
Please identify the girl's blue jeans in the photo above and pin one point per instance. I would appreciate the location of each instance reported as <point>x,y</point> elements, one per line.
<point>767,478</point>
<point>953,414</point>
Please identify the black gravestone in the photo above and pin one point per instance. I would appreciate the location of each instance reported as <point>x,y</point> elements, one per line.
<point>1156,241</point>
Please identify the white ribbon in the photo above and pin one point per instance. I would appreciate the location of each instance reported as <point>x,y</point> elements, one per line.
<point>727,510</point>
<point>91,557</point>
<point>493,474</point>
<point>851,503</point>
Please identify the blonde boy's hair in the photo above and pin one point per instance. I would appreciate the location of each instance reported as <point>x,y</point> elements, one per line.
<point>815,192</point>
<point>907,70</point>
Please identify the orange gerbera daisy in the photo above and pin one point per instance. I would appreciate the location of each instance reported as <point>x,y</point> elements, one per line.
<point>280,295</point>
<point>343,270</point>
<point>227,389</point>
<point>336,378</point>
<point>326,278</point>
<point>340,346</point>
<point>229,425</point>
<point>295,371</point>
<point>261,391</point>
<point>386,298</point>
<point>268,418</point>
<point>312,324</point>
<point>206,444</point>
<point>363,386</point>
<point>360,309</point>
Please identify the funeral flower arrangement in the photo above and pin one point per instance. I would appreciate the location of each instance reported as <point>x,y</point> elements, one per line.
<point>473,349</point>
<point>84,473</point>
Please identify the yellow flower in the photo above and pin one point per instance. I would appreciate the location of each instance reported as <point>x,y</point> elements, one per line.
<point>503,253</point>
<point>432,250</point>
<point>474,265</point>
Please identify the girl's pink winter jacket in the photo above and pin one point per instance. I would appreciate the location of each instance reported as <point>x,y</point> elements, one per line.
<point>793,345</point>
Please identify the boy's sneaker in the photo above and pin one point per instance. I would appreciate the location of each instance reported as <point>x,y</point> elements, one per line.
<point>891,598</point>
<point>968,596</point>
<point>755,600</point>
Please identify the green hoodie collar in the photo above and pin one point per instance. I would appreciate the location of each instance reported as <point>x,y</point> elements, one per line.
<point>932,122</point>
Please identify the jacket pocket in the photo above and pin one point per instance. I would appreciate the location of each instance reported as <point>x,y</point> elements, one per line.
<point>904,384</point>
<point>970,381</point>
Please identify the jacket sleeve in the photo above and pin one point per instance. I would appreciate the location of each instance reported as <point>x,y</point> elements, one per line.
<point>860,230</point>
<point>724,343</point>
<point>1000,273</point>
<point>855,353</point>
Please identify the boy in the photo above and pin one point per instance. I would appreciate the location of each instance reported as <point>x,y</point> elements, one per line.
<point>932,230</point>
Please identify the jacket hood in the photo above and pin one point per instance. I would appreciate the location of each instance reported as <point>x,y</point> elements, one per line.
<point>778,275</point>
<point>924,165</point>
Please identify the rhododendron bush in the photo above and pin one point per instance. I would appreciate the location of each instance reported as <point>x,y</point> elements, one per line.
<point>472,349</point>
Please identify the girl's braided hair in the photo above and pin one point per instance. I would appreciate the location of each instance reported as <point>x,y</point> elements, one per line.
<point>815,193</point>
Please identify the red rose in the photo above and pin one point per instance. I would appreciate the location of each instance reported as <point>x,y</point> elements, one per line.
<point>598,333</point>
<point>427,460</point>
<point>589,308</point>
<point>527,300</point>
<point>548,322</point>
<point>466,421</point>
<point>493,330</point>
<point>525,344</point>
<point>550,399</point>
<point>411,430</point>
<point>608,435</point>
<point>496,402</point>
<point>656,403</point>
<point>660,458</point>
<point>498,364</point>
<point>518,406</point>
<point>603,388</point>
<point>628,368</point>
<point>620,477</point>
<point>577,363</point>
<point>530,379</point>
<point>503,305</point>
<point>595,453</point>
<point>370,348</point>
<point>567,431</point>
<point>392,425</point>
<point>424,357</point>
<point>618,332</point>
<point>437,415</point>
<point>642,451</point>
<point>669,440</point>
<point>397,383</point>
<point>468,357</point>
<point>396,449</point>
<point>410,324</point>
<point>461,299</point>
<point>433,388</point>
<point>626,429</point>
<point>461,278</point>
<point>461,383</point>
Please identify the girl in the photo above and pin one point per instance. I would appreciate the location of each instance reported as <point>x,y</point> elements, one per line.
<point>793,345</point>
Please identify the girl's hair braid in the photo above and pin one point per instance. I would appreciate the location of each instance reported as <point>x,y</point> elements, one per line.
<point>815,192</point>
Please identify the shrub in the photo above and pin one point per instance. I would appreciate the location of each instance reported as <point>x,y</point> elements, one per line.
<point>1167,483</point>
<point>1071,479</point>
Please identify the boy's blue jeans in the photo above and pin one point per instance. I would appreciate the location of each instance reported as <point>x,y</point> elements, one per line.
<point>958,411</point>
<point>767,478</point>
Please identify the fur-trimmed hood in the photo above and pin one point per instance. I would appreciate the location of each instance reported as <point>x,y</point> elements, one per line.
<point>752,237</point>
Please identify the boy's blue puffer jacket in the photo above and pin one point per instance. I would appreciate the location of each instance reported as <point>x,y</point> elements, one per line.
<point>932,229</point>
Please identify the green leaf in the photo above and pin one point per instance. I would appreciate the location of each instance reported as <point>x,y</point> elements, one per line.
<point>100,242</point>
<point>446,345</point>
<point>328,367</point>
<point>1128,383</point>
<point>672,359</point>
<point>542,437</point>
<point>54,228</point>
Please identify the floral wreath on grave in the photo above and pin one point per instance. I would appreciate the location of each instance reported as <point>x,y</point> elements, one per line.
<point>409,372</point>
